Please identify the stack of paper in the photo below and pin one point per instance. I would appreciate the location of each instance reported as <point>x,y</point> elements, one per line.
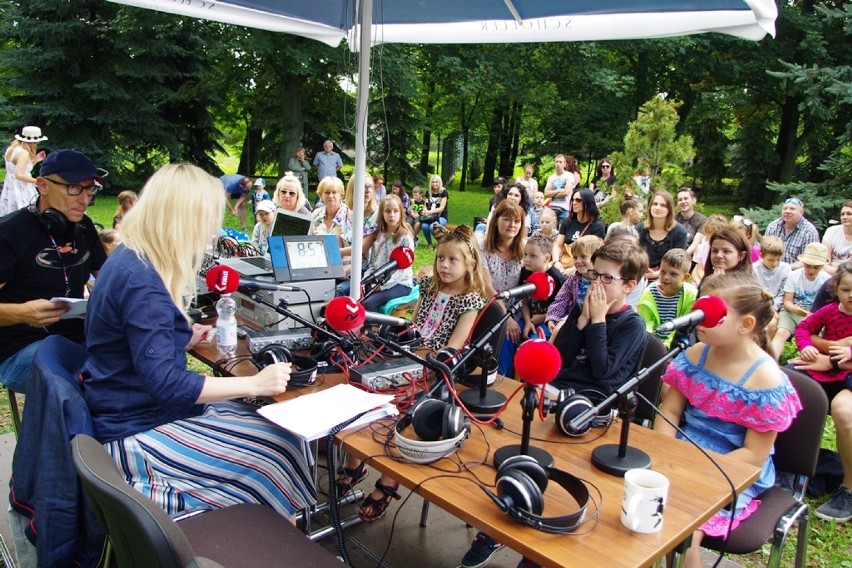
<point>312,416</point>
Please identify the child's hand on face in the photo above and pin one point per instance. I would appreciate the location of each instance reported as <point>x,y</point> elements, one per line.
<point>596,300</point>
<point>810,353</point>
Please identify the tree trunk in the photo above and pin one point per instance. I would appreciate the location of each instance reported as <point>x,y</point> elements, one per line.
<point>465,139</point>
<point>787,144</point>
<point>292,120</point>
<point>495,131</point>
<point>251,147</point>
<point>517,114</point>
<point>427,128</point>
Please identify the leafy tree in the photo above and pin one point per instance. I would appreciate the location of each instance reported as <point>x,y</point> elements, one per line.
<point>652,147</point>
<point>124,85</point>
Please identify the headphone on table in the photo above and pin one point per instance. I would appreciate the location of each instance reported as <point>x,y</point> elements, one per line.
<point>571,404</point>
<point>521,482</point>
<point>304,371</point>
<point>442,428</point>
<point>406,336</point>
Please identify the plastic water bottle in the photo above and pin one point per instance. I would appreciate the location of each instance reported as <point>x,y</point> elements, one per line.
<point>226,326</point>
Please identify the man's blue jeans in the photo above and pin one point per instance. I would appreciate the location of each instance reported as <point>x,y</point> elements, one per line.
<point>15,371</point>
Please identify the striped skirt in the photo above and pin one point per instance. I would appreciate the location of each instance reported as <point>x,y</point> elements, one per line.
<point>226,456</point>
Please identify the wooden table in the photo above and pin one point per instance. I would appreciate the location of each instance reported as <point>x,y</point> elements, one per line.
<point>698,490</point>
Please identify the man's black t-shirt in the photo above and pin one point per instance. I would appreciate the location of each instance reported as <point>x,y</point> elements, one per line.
<point>31,268</point>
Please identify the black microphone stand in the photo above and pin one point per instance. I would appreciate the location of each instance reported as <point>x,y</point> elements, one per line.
<point>616,459</point>
<point>528,404</point>
<point>481,401</point>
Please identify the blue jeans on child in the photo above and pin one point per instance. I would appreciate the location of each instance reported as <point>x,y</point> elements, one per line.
<point>427,229</point>
<point>506,359</point>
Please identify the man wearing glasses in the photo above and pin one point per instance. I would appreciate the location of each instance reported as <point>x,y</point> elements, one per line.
<point>794,230</point>
<point>47,250</point>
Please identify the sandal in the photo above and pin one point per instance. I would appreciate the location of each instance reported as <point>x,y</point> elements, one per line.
<point>373,509</point>
<point>348,478</point>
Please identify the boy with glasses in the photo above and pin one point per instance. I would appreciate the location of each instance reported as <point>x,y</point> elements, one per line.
<point>600,344</point>
<point>47,250</point>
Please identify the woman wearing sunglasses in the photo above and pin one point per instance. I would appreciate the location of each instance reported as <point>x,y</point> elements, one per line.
<point>603,182</point>
<point>288,195</point>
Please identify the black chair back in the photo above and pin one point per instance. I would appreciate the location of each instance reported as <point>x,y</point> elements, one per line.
<point>797,448</point>
<point>486,320</point>
<point>651,386</point>
<point>141,533</point>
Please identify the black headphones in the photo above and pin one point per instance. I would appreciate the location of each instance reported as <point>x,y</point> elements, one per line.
<point>55,222</point>
<point>442,428</point>
<point>521,482</point>
<point>571,404</point>
<point>304,371</point>
<point>406,336</point>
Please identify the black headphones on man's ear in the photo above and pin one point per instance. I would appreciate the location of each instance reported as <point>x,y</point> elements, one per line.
<point>54,221</point>
<point>521,482</point>
<point>304,371</point>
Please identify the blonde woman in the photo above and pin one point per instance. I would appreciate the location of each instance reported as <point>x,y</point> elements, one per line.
<point>288,195</point>
<point>19,186</point>
<point>178,435</point>
<point>371,212</point>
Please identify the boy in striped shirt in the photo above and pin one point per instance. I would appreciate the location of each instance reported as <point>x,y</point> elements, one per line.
<point>670,296</point>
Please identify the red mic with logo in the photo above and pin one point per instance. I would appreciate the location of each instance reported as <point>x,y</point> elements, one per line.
<point>222,279</point>
<point>707,311</point>
<point>400,259</point>
<point>539,286</point>
<point>344,314</point>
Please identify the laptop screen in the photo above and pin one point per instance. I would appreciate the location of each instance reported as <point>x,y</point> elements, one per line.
<point>290,224</point>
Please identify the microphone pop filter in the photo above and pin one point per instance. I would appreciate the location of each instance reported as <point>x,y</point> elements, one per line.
<point>537,361</point>
<point>544,285</point>
<point>714,309</point>
<point>403,256</point>
<point>222,279</point>
<point>345,314</point>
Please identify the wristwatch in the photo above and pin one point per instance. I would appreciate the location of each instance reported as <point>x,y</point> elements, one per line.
<point>835,364</point>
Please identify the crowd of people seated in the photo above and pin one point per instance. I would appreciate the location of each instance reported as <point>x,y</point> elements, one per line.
<point>164,424</point>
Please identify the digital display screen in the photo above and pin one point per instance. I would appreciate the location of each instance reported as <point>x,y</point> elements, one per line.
<point>306,254</point>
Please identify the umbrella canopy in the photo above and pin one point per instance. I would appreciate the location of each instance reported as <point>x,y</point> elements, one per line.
<point>486,21</point>
<point>470,21</point>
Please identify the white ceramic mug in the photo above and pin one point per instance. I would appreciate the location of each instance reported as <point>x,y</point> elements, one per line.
<point>644,500</point>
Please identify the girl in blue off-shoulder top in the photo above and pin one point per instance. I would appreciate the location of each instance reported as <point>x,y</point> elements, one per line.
<point>728,394</point>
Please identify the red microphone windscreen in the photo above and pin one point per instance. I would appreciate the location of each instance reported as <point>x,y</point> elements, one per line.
<point>222,279</point>
<point>544,285</point>
<point>403,256</point>
<point>537,361</point>
<point>714,309</point>
<point>344,314</point>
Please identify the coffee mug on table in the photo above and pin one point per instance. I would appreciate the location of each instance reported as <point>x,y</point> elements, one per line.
<point>644,500</point>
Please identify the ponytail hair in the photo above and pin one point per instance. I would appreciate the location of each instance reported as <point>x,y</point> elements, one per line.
<point>742,293</point>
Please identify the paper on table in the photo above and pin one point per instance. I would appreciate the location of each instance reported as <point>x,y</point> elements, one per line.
<point>76,306</point>
<point>313,415</point>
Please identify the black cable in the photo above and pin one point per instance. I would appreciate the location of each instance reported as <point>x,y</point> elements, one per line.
<point>733,506</point>
<point>334,505</point>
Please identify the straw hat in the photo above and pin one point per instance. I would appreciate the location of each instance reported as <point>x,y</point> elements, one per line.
<point>816,254</point>
<point>30,134</point>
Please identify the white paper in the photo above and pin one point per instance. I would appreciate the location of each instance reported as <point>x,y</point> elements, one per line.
<point>76,306</point>
<point>311,416</point>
